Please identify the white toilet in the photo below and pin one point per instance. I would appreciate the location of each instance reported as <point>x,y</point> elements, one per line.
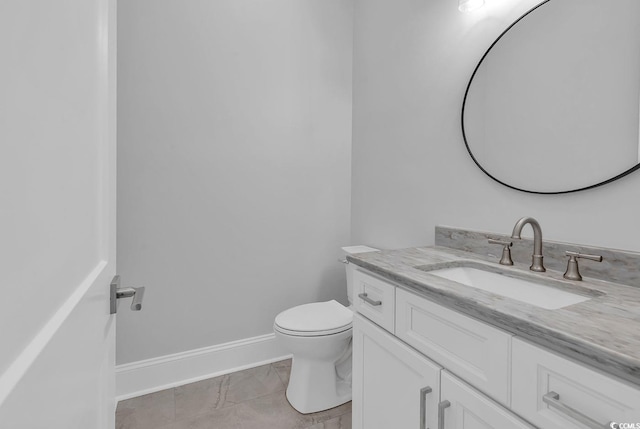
<point>319,337</point>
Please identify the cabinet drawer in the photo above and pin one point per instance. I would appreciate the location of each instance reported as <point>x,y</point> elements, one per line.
<point>474,351</point>
<point>597,397</point>
<point>374,299</point>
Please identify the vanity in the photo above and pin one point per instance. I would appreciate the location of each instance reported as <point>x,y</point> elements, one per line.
<point>432,350</point>
<point>454,336</point>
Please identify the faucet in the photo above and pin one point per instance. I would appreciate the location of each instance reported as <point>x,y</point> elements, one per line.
<point>536,258</point>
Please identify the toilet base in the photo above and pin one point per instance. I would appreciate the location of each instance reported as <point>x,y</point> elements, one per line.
<point>320,371</point>
<point>313,386</point>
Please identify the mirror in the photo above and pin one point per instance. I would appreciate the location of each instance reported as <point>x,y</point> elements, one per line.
<point>553,105</point>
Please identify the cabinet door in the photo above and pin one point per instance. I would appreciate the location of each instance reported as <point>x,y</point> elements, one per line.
<point>462,407</point>
<point>393,385</point>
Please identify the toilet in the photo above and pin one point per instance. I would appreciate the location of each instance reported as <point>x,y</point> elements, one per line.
<point>318,335</point>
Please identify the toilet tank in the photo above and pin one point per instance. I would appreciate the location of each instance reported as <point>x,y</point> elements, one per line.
<point>352,250</point>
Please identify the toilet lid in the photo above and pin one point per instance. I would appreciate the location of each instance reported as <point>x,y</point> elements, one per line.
<point>317,318</point>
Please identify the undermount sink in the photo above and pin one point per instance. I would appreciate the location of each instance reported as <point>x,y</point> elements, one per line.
<point>537,294</point>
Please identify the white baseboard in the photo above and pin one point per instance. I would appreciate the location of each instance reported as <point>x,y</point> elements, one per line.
<point>152,375</point>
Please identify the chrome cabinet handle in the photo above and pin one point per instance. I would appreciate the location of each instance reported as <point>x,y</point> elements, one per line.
<point>553,400</point>
<point>423,406</point>
<point>118,292</point>
<point>441,407</point>
<point>368,300</point>
<point>343,261</point>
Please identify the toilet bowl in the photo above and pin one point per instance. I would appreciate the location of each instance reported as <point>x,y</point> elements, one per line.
<point>318,335</point>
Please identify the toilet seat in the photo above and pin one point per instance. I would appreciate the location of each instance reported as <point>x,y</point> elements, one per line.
<point>315,319</point>
<point>313,333</point>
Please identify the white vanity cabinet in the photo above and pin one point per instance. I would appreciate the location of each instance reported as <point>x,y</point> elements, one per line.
<point>393,385</point>
<point>417,364</point>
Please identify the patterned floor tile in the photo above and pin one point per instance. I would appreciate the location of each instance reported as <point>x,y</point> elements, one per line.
<point>250,399</point>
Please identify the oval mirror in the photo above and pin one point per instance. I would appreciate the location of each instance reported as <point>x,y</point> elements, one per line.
<point>552,106</point>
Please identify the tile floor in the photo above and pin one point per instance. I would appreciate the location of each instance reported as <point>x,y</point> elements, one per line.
<point>249,399</point>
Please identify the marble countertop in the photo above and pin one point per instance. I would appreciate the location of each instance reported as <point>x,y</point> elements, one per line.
<point>603,332</point>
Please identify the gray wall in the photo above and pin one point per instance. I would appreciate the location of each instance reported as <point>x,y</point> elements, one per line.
<point>412,62</point>
<point>233,166</point>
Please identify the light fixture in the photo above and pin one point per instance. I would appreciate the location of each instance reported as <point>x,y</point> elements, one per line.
<point>469,5</point>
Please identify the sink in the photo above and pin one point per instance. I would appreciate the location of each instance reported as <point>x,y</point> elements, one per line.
<point>530,292</point>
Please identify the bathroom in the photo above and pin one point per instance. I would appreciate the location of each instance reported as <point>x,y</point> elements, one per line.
<point>255,139</point>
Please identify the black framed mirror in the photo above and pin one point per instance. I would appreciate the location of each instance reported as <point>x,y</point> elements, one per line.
<point>553,105</point>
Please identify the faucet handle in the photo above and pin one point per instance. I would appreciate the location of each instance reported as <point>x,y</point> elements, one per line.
<point>506,251</point>
<point>570,254</point>
<point>572,272</point>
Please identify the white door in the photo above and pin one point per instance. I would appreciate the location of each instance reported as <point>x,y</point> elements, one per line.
<point>462,407</point>
<point>57,213</point>
<point>393,385</point>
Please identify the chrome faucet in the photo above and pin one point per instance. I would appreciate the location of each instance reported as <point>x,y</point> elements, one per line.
<point>536,258</point>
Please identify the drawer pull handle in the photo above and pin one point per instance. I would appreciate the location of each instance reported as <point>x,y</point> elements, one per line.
<point>368,300</point>
<point>423,406</point>
<point>552,399</point>
<point>441,406</point>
